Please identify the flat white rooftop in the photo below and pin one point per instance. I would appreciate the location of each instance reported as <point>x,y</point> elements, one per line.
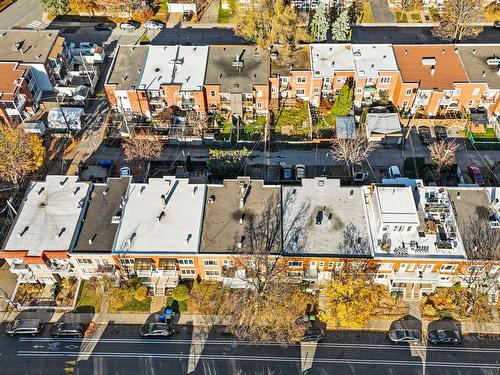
<point>179,65</point>
<point>48,216</point>
<point>326,59</point>
<point>397,205</point>
<point>164,215</point>
<point>321,217</point>
<point>370,59</point>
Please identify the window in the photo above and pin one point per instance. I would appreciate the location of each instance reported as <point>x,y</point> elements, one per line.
<point>385,80</point>
<point>385,266</point>
<point>405,103</point>
<point>448,267</point>
<point>273,90</point>
<point>475,92</point>
<point>210,262</point>
<point>211,273</point>
<point>385,228</point>
<point>295,263</point>
<point>84,261</point>
<point>259,105</point>
<point>456,92</point>
<point>338,266</point>
<point>143,264</point>
<point>382,276</point>
<point>408,92</point>
<point>473,269</point>
<point>409,228</point>
<point>316,90</point>
<point>127,261</point>
<point>421,267</point>
<point>321,265</point>
<point>212,92</point>
<point>251,263</point>
<point>228,263</point>
<point>301,79</point>
<point>369,80</point>
<point>260,94</point>
<point>327,80</point>
<point>341,79</point>
<point>471,103</point>
<point>300,92</point>
<point>186,262</point>
<point>188,272</point>
<point>402,267</point>
<point>294,274</point>
<point>359,91</point>
<point>167,264</point>
<point>411,267</point>
<point>337,91</point>
<point>444,278</point>
<point>330,265</point>
<point>429,267</point>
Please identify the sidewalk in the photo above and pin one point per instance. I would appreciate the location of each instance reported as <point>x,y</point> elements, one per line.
<point>209,320</point>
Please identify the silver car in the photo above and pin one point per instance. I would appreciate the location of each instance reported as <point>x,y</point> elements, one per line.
<point>153,25</point>
<point>404,335</point>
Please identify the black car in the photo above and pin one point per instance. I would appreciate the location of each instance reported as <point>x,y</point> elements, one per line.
<point>68,330</point>
<point>187,15</point>
<point>312,335</point>
<point>31,327</point>
<point>424,133</point>
<point>441,133</point>
<point>440,336</point>
<point>103,27</point>
<point>157,330</point>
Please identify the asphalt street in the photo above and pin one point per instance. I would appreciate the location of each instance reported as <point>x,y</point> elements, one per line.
<point>21,14</point>
<point>120,350</point>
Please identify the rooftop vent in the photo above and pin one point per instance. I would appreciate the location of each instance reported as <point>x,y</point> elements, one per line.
<point>428,61</point>
<point>92,239</point>
<point>474,51</point>
<point>41,190</point>
<point>160,216</point>
<point>433,70</point>
<point>357,53</point>
<point>443,52</point>
<point>188,238</point>
<point>106,191</point>
<point>157,70</point>
<point>211,199</point>
<point>62,182</point>
<point>77,189</point>
<point>406,52</point>
<point>61,232</point>
<point>484,73</point>
<point>493,61</point>
<point>24,231</point>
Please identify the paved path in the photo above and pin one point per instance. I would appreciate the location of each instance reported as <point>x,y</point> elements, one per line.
<point>381,11</point>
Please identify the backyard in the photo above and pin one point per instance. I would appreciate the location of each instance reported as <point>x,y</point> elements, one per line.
<point>61,294</point>
<point>226,10</point>
<point>292,122</point>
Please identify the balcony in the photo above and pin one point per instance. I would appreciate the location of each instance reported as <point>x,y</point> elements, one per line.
<point>156,100</point>
<point>164,273</point>
<point>20,269</point>
<point>144,273</point>
<point>106,268</point>
<point>417,276</point>
<point>311,274</point>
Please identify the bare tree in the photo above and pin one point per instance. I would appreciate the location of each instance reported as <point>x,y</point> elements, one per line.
<point>442,155</point>
<point>197,123</point>
<point>458,20</point>
<point>268,308</point>
<point>482,245</point>
<point>352,151</point>
<point>165,118</point>
<point>405,6</point>
<point>141,147</point>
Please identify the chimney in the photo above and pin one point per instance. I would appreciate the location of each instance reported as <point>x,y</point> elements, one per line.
<point>474,51</point>
<point>484,73</point>
<point>406,52</point>
<point>433,70</point>
<point>443,52</point>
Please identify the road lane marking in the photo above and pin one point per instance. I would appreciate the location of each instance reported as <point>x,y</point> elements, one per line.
<point>224,357</point>
<point>251,343</point>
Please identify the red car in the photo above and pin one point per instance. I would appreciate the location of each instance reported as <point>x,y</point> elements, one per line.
<point>476,175</point>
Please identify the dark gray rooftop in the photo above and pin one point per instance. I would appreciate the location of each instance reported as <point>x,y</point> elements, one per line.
<point>127,67</point>
<point>470,205</point>
<point>27,46</point>
<point>99,229</point>
<point>474,59</point>
<point>254,70</point>
<point>222,230</point>
<point>300,60</point>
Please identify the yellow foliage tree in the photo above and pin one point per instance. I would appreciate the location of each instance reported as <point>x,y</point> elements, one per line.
<point>266,23</point>
<point>20,153</point>
<point>350,300</point>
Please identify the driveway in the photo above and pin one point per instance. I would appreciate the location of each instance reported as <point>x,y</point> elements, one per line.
<point>381,12</point>
<point>211,14</point>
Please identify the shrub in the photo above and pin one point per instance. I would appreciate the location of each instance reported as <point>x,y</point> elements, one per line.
<point>169,301</point>
<point>180,293</point>
<point>492,11</point>
<point>141,293</point>
<point>429,310</point>
<point>183,306</point>
<point>195,282</point>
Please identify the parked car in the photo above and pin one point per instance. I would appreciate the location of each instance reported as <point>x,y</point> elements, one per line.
<point>152,25</point>
<point>187,15</point>
<point>286,172</point>
<point>103,27</point>
<point>360,177</point>
<point>312,335</point>
<point>497,25</point>
<point>441,133</point>
<point>31,327</point>
<point>394,172</point>
<point>68,330</point>
<point>440,336</point>
<point>125,171</point>
<point>424,133</point>
<point>157,330</point>
<point>300,171</point>
<point>404,335</point>
<point>130,25</point>
<point>476,175</point>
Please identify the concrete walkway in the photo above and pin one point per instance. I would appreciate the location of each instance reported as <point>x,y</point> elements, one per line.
<point>381,11</point>
<point>211,14</point>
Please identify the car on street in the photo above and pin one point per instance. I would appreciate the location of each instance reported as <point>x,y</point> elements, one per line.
<point>103,27</point>
<point>497,25</point>
<point>130,25</point>
<point>441,133</point>
<point>476,175</point>
<point>300,171</point>
<point>187,15</point>
<point>153,25</point>
<point>360,177</point>
<point>68,330</point>
<point>394,172</point>
<point>441,336</point>
<point>157,329</point>
<point>424,133</point>
<point>125,172</point>
<point>404,335</point>
<point>286,172</point>
<point>312,335</point>
<point>31,327</point>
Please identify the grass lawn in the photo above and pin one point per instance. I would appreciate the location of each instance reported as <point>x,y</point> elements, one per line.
<point>256,127</point>
<point>401,17</point>
<point>88,300</point>
<point>488,135</point>
<point>136,306</point>
<point>367,15</point>
<point>225,14</point>
<point>293,119</point>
